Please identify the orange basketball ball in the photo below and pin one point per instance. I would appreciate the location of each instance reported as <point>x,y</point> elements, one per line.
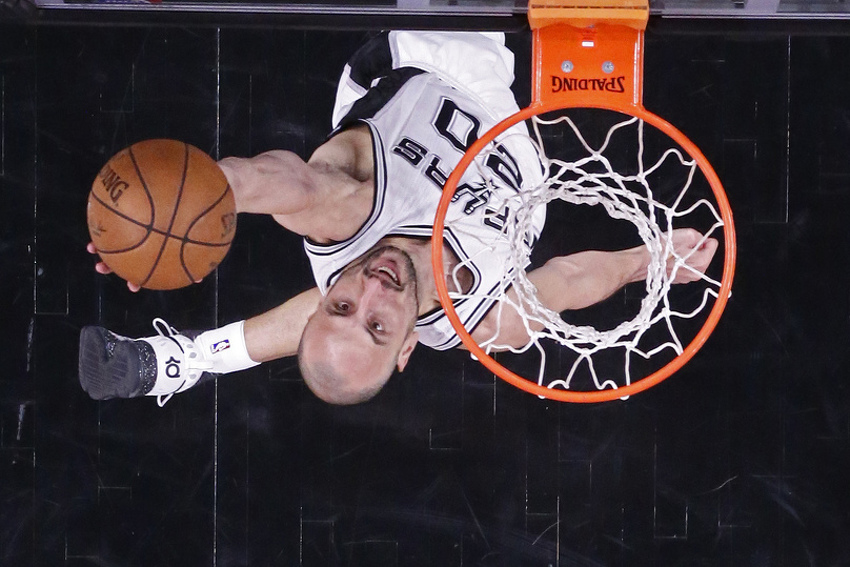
<point>161,214</point>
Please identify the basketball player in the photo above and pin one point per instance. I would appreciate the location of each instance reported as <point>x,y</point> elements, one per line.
<point>408,106</point>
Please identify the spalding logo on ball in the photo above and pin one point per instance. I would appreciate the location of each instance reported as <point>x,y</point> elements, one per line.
<point>161,214</point>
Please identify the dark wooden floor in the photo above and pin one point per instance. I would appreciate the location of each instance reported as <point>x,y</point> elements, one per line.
<point>740,459</point>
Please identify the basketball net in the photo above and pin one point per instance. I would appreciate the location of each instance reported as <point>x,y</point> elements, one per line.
<point>599,41</point>
<point>594,181</point>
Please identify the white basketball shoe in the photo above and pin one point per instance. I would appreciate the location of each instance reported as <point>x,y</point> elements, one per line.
<point>113,366</point>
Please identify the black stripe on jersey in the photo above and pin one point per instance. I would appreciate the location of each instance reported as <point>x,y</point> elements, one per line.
<point>484,301</point>
<point>332,278</point>
<point>372,61</point>
<point>453,242</point>
<point>378,96</point>
<point>484,306</point>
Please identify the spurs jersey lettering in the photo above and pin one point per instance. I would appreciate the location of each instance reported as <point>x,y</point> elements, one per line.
<point>418,136</point>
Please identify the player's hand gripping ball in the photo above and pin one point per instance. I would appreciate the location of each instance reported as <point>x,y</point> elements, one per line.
<point>161,214</point>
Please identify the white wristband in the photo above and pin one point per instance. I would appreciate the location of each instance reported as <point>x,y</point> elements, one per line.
<point>225,348</point>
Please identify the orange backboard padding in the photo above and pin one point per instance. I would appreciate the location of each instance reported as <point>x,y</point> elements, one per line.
<point>584,13</point>
<point>602,64</point>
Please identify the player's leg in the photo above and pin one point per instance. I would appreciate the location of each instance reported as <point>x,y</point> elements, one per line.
<point>114,366</point>
<point>477,63</point>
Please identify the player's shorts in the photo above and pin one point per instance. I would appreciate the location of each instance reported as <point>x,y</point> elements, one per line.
<point>476,63</point>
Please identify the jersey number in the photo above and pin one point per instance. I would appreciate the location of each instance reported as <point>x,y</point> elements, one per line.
<point>461,129</point>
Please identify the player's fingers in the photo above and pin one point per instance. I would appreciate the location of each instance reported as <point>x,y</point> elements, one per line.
<point>704,254</point>
<point>102,268</point>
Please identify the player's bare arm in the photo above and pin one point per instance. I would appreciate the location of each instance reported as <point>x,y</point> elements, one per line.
<point>587,278</point>
<point>277,332</point>
<point>326,198</point>
<point>278,182</point>
<point>274,182</point>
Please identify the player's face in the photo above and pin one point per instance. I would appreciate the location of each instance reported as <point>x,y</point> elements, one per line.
<point>379,291</point>
<point>366,319</point>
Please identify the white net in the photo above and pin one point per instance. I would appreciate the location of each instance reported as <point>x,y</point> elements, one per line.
<point>657,188</point>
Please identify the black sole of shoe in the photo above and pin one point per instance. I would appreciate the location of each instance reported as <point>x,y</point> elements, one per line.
<point>110,366</point>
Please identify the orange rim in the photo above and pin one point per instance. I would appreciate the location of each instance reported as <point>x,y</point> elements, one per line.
<point>659,375</point>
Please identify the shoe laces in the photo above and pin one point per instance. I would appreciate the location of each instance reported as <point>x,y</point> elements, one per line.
<point>163,328</point>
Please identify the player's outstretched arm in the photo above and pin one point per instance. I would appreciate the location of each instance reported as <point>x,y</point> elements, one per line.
<point>587,278</point>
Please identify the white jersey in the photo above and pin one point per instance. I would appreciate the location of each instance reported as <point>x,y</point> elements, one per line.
<point>421,126</point>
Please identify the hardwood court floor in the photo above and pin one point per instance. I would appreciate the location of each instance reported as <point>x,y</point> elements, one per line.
<point>740,459</point>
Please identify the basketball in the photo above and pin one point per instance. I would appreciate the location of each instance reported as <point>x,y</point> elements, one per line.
<point>161,214</point>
